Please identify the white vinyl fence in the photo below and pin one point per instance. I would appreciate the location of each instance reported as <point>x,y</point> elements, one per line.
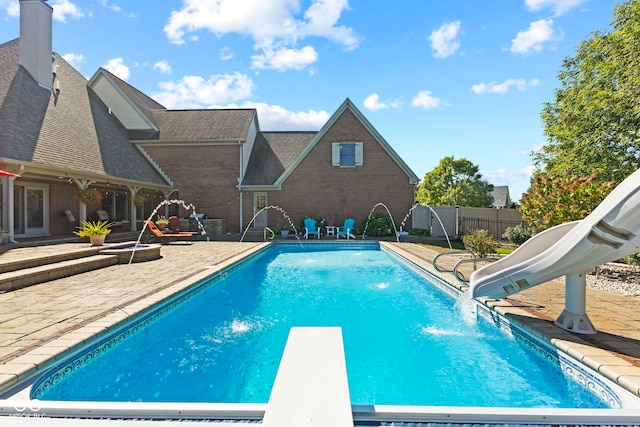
<point>457,221</point>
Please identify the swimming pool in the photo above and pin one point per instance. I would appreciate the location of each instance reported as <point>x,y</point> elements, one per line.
<point>406,342</point>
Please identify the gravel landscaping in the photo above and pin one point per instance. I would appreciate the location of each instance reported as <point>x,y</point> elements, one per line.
<point>622,279</point>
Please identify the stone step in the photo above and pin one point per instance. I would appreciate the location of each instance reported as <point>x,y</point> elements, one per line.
<point>29,259</point>
<point>29,276</point>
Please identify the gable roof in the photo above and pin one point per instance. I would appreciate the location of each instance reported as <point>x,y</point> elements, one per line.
<point>203,125</point>
<point>347,104</point>
<point>147,120</point>
<point>66,130</point>
<point>144,102</point>
<point>272,154</point>
<point>500,195</point>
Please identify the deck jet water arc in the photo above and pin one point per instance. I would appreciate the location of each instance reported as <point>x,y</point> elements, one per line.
<point>610,232</point>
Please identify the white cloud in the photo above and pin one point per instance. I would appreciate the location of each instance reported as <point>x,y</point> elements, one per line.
<point>231,91</point>
<point>518,180</point>
<point>117,67</point>
<point>533,39</point>
<point>274,117</point>
<point>425,100</point>
<point>163,66</point>
<point>505,176</point>
<point>373,103</point>
<point>12,7</point>
<point>75,59</point>
<point>111,6</point>
<point>285,58</point>
<point>226,54</point>
<point>117,8</point>
<point>504,87</point>
<point>559,7</point>
<point>444,40</point>
<point>198,92</point>
<point>63,9</point>
<point>275,26</point>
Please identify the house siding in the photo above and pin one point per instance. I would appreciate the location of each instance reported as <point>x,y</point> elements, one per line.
<point>316,187</point>
<point>120,107</point>
<point>205,176</point>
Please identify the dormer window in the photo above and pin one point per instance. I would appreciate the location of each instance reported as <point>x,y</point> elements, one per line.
<point>347,154</point>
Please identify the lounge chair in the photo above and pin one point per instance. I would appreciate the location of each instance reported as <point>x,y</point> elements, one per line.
<point>104,216</point>
<point>310,228</point>
<point>346,229</point>
<point>174,225</point>
<point>165,238</point>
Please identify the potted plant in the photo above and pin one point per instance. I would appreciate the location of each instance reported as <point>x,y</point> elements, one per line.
<point>282,227</point>
<point>96,231</point>
<point>4,236</point>
<point>139,199</point>
<point>162,222</point>
<point>89,196</point>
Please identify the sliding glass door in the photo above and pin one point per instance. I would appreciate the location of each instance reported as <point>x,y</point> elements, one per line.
<point>31,210</point>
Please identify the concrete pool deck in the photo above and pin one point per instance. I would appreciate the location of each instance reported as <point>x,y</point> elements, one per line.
<point>44,321</point>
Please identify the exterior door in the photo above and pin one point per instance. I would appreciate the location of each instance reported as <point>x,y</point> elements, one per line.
<point>31,210</point>
<point>260,202</point>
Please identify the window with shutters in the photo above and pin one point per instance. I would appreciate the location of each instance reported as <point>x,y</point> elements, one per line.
<point>347,154</point>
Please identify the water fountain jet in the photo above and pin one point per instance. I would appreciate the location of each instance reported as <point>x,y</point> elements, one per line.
<point>395,229</point>
<point>284,215</point>
<point>184,204</point>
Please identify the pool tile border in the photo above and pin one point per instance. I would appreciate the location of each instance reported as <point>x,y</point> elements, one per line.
<point>581,373</point>
<point>132,324</point>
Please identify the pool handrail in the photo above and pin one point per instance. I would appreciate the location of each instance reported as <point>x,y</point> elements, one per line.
<point>264,234</point>
<point>459,276</point>
<point>435,259</point>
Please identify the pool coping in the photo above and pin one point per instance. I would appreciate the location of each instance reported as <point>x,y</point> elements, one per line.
<point>599,360</point>
<point>368,413</point>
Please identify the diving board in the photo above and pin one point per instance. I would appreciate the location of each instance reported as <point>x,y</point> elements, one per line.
<point>311,387</point>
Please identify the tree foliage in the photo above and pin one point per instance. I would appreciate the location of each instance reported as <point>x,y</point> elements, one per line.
<point>593,122</point>
<point>455,183</point>
<point>551,202</point>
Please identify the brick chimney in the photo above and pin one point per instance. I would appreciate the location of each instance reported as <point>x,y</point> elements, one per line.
<point>35,40</point>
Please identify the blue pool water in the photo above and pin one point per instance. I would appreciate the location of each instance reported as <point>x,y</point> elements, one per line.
<point>406,342</point>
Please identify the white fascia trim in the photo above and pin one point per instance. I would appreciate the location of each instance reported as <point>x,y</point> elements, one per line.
<point>259,187</point>
<point>347,104</point>
<point>184,142</point>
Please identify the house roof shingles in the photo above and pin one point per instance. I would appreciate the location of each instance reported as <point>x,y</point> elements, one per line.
<point>66,130</point>
<point>209,125</point>
<point>187,125</point>
<point>142,101</point>
<point>272,154</point>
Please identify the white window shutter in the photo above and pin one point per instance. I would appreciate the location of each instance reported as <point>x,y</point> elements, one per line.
<point>359,154</point>
<point>335,154</point>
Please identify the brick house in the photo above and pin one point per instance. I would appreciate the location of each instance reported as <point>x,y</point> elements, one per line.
<point>63,134</point>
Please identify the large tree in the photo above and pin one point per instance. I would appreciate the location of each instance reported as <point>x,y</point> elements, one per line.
<point>592,124</point>
<point>550,202</point>
<point>455,183</point>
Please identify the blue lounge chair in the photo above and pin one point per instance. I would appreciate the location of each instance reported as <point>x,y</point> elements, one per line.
<point>310,228</point>
<point>346,229</point>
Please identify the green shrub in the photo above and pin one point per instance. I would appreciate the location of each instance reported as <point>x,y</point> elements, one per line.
<point>479,242</point>
<point>419,232</point>
<point>518,234</point>
<point>379,225</point>
<point>633,259</point>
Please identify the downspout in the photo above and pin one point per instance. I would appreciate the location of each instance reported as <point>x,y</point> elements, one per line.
<point>240,181</point>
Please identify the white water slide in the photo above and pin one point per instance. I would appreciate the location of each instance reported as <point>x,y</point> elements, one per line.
<point>610,232</point>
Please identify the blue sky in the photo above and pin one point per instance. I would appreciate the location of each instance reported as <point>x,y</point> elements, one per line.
<point>463,78</point>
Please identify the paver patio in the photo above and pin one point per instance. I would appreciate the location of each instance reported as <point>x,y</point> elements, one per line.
<point>43,322</point>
